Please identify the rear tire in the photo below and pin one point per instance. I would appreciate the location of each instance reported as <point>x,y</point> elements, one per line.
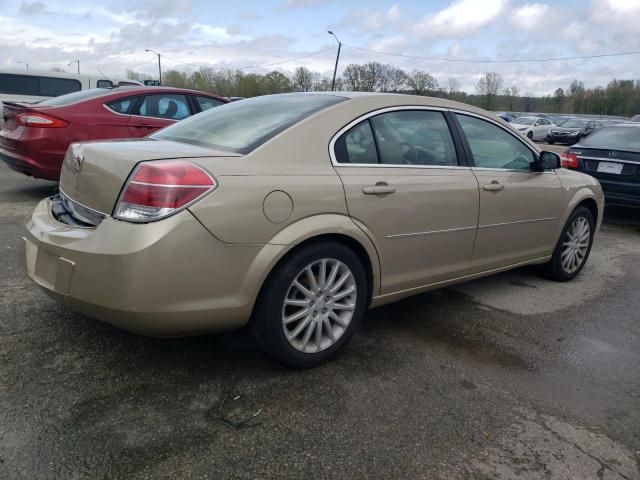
<point>550,142</point>
<point>310,305</point>
<point>530,135</point>
<point>573,247</point>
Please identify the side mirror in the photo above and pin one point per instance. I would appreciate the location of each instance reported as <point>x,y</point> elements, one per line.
<point>547,161</point>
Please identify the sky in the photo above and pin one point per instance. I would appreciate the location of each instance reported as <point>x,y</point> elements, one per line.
<point>111,36</point>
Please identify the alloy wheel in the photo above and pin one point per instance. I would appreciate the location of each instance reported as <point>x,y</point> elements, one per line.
<point>576,244</point>
<point>319,305</point>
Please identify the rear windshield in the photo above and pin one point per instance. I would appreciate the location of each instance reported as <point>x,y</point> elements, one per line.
<point>37,86</point>
<point>74,97</point>
<point>243,126</point>
<point>614,138</point>
<point>574,123</point>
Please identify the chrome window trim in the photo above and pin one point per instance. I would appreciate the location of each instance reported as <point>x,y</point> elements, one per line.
<point>379,111</point>
<point>608,159</point>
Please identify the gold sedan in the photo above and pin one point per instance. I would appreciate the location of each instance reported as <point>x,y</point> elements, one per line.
<point>296,213</point>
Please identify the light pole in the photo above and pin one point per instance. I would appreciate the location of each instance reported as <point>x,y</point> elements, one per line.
<point>23,63</point>
<point>75,61</point>
<point>335,69</point>
<point>159,68</point>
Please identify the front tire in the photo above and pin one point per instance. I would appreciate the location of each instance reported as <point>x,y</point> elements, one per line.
<point>573,247</point>
<point>530,135</point>
<point>311,304</point>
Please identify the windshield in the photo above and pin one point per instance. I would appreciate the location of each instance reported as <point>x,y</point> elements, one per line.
<point>74,97</point>
<point>243,126</point>
<point>524,120</point>
<point>616,138</point>
<point>574,123</point>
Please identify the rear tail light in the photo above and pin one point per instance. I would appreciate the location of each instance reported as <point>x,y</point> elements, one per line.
<point>159,189</point>
<point>569,160</point>
<point>40,120</point>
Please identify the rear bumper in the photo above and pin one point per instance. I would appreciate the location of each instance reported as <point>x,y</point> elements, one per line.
<point>164,279</point>
<point>623,194</point>
<point>30,166</point>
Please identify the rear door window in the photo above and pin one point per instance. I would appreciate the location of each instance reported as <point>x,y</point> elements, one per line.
<point>357,145</point>
<point>122,106</point>
<point>168,106</point>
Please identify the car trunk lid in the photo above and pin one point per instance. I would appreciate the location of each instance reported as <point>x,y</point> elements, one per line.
<point>94,173</point>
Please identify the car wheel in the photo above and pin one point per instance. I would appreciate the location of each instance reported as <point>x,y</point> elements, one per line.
<point>573,247</point>
<point>311,304</point>
<point>530,135</point>
<point>550,142</point>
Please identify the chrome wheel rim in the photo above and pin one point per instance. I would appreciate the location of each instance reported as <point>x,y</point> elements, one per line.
<point>319,305</point>
<point>576,244</point>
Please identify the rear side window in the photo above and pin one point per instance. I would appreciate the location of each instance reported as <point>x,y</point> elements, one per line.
<point>122,106</point>
<point>493,147</point>
<point>357,145</point>
<point>207,103</point>
<point>16,84</point>
<point>169,106</point>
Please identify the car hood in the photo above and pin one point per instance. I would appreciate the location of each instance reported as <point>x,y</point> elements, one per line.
<point>93,173</point>
<point>566,129</point>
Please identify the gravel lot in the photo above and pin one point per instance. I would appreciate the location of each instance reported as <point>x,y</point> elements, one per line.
<point>505,377</point>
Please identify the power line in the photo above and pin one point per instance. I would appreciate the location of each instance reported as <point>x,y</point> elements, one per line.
<point>513,60</point>
<point>254,66</point>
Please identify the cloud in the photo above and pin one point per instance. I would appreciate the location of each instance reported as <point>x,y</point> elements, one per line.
<point>531,16</point>
<point>461,17</point>
<point>32,8</point>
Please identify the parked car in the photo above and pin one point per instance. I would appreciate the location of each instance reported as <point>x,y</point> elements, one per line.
<point>535,128</point>
<point>635,118</point>
<point>507,117</point>
<point>34,138</point>
<point>295,213</point>
<point>572,131</point>
<point>612,155</point>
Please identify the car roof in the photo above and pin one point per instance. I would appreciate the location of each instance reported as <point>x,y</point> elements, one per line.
<point>117,91</point>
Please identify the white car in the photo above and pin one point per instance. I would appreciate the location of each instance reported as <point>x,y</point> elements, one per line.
<point>533,127</point>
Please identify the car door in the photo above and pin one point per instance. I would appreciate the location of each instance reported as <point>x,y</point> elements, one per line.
<point>405,185</point>
<point>156,111</point>
<point>519,208</point>
<point>113,120</point>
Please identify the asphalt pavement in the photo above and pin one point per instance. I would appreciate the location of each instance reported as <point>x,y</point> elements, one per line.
<point>505,377</point>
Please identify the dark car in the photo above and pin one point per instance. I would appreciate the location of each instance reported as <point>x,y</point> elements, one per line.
<point>35,137</point>
<point>612,155</point>
<point>507,117</point>
<point>572,131</point>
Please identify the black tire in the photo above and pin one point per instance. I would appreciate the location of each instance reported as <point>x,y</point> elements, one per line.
<point>550,142</point>
<point>554,269</point>
<point>530,135</point>
<point>266,322</point>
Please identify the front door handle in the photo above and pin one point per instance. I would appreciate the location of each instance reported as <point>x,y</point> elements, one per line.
<point>380,188</point>
<point>493,187</point>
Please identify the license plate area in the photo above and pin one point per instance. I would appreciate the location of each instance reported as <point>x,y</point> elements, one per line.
<point>610,167</point>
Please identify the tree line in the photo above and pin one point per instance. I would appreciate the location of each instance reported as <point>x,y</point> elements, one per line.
<point>619,97</point>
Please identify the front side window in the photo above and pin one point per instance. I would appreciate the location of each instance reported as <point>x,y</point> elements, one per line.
<point>493,147</point>
<point>104,84</point>
<point>169,106</point>
<point>207,103</point>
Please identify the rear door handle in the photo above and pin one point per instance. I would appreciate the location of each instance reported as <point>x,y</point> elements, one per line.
<point>493,187</point>
<point>380,188</point>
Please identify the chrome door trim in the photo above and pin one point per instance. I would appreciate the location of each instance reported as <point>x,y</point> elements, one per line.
<point>431,232</point>
<point>548,219</point>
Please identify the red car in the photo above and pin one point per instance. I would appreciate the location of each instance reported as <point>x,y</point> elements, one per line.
<point>34,138</point>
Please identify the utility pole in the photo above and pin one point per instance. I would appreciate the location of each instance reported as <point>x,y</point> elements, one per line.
<point>23,63</point>
<point>335,69</point>
<point>75,61</point>
<point>159,67</point>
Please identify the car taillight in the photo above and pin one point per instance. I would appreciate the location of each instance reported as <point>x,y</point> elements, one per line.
<point>40,120</point>
<point>161,188</point>
<point>569,160</point>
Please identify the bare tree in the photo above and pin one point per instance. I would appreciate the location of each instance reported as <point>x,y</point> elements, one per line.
<point>511,93</point>
<point>303,79</point>
<point>452,87</point>
<point>353,77</point>
<point>396,79</point>
<point>421,82</point>
<point>489,86</point>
